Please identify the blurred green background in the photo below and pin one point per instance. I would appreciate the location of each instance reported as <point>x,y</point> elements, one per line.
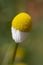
<point>34,45</point>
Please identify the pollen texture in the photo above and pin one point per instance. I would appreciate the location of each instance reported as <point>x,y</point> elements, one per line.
<point>22,22</point>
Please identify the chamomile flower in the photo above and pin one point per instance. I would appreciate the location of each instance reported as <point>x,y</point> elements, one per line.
<point>21,26</point>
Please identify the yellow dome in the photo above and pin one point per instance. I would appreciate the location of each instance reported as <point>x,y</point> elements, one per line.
<point>22,22</point>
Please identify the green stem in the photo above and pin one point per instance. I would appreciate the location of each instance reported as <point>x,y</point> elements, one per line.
<point>14,55</point>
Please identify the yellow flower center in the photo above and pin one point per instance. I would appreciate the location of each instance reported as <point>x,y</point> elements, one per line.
<point>22,22</point>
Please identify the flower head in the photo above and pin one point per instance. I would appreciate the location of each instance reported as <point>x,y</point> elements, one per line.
<point>21,25</point>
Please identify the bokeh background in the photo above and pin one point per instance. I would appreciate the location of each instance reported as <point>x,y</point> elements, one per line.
<point>33,47</point>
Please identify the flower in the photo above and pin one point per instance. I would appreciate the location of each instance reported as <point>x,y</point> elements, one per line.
<point>20,53</point>
<point>21,26</point>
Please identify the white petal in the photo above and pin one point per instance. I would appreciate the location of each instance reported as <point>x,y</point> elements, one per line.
<point>18,36</point>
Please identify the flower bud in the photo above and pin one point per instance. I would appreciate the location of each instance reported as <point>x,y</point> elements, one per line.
<point>21,26</point>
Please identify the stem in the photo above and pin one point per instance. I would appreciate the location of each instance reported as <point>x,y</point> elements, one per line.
<point>14,55</point>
